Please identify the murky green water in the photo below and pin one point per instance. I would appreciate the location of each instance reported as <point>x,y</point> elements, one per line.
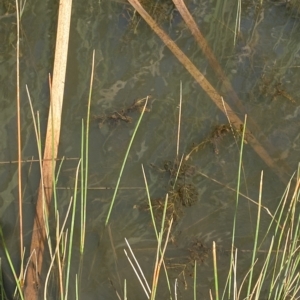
<point>131,63</point>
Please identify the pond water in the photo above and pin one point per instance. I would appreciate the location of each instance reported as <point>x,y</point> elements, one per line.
<point>131,62</point>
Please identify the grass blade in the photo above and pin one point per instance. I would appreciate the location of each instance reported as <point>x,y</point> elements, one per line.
<point>236,203</point>
<point>85,161</point>
<point>11,264</point>
<point>71,234</point>
<point>215,271</point>
<point>256,235</point>
<point>124,161</point>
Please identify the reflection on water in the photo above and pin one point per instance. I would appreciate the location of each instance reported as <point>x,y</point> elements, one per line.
<point>131,63</point>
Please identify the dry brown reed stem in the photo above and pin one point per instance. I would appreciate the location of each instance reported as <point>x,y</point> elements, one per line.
<point>51,147</point>
<point>191,24</point>
<point>19,144</point>
<point>160,259</point>
<point>209,89</point>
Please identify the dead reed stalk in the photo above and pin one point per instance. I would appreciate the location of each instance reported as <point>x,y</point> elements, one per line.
<point>50,153</point>
<point>209,89</point>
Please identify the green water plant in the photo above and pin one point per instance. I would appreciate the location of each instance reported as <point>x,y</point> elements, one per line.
<point>125,160</point>
<point>12,268</point>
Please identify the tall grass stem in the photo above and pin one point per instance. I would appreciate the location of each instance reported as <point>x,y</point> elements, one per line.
<point>179,121</point>
<point>124,161</point>
<point>237,201</point>
<point>71,234</point>
<point>86,159</point>
<point>19,142</point>
<point>6,251</point>
<point>215,271</point>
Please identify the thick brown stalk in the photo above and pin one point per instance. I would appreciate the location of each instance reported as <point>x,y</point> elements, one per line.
<point>50,153</point>
<point>208,88</point>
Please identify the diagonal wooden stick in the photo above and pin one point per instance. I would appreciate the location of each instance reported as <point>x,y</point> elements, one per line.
<point>209,89</point>
<point>51,147</point>
<point>191,24</point>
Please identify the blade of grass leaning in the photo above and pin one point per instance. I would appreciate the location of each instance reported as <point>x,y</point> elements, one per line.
<point>237,21</point>
<point>292,242</point>
<point>244,279</point>
<point>178,171</point>
<point>149,203</point>
<point>159,252</point>
<point>256,235</point>
<point>58,256</point>
<point>261,280</point>
<point>139,268</point>
<point>234,133</point>
<point>36,126</point>
<point>208,88</point>
<point>124,161</point>
<point>137,275</point>
<point>55,184</point>
<point>6,251</point>
<point>57,247</point>
<point>284,233</point>
<point>237,202</point>
<point>160,259</point>
<point>70,248</point>
<point>86,160</point>
<point>279,211</point>
<point>234,190</point>
<point>179,121</point>
<point>281,266</point>
<point>2,290</point>
<point>235,274</point>
<point>154,224</point>
<point>154,279</point>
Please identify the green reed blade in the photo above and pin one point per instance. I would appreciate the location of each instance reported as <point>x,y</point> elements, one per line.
<point>236,205</point>
<point>149,203</point>
<point>4,247</point>
<point>71,233</point>
<point>85,160</point>
<point>124,161</point>
<point>254,253</point>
